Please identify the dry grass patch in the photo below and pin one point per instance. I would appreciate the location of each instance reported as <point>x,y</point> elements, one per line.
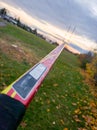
<point>18,52</point>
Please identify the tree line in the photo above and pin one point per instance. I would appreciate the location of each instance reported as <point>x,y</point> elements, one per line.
<point>17,21</point>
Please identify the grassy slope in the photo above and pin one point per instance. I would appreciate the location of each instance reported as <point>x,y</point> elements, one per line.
<point>63,102</point>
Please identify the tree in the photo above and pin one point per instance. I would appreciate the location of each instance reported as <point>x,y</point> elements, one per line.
<point>3,11</point>
<point>35,31</point>
<point>85,59</point>
<point>18,21</point>
<point>91,68</point>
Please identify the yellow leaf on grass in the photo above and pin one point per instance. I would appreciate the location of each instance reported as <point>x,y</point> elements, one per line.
<point>55,85</point>
<point>92,104</point>
<point>76,118</point>
<point>62,122</point>
<point>65,129</point>
<point>74,104</point>
<point>48,110</point>
<point>77,111</point>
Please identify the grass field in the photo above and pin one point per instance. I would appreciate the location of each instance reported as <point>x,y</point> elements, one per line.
<point>64,101</point>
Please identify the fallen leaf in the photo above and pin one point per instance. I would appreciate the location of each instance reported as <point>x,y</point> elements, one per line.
<point>48,110</point>
<point>65,129</point>
<point>77,111</point>
<point>76,118</point>
<point>82,129</point>
<point>62,122</point>
<point>55,85</point>
<point>92,104</point>
<point>23,124</point>
<point>94,128</point>
<point>54,122</point>
<point>74,104</point>
<point>89,120</point>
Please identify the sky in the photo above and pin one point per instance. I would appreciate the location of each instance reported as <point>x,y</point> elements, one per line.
<point>74,21</point>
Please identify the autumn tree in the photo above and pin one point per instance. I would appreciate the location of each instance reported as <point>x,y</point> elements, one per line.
<point>91,68</point>
<point>84,59</point>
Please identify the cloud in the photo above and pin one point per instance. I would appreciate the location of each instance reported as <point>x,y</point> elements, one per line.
<point>90,20</point>
<point>91,6</point>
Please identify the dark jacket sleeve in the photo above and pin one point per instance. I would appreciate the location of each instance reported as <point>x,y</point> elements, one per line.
<point>11,112</point>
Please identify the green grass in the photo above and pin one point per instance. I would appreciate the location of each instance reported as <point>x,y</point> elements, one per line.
<point>28,40</point>
<point>64,101</point>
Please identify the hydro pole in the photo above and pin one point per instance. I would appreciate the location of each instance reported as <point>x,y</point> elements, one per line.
<point>16,97</point>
